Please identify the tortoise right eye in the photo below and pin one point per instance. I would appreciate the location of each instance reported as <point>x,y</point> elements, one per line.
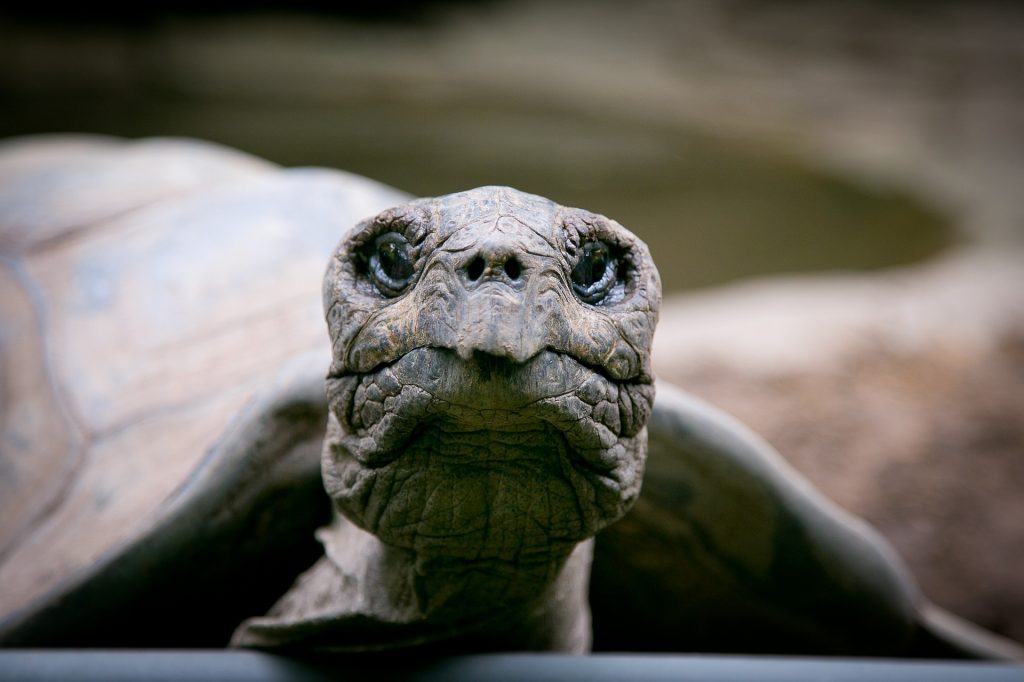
<point>389,265</point>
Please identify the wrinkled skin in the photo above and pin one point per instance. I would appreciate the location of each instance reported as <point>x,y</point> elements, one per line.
<point>460,396</point>
<point>488,396</point>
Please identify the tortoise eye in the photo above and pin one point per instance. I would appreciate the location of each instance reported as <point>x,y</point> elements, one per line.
<point>594,273</point>
<point>389,265</point>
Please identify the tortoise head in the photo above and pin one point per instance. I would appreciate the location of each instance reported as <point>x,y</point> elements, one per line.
<point>491,379</point>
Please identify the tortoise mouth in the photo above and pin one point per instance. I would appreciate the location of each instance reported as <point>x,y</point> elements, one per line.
<point>453,456</point>
<point>382,412</point>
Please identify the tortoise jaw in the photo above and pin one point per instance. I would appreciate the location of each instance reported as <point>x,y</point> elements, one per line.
<point>421,438</point>
<point>383,411</point>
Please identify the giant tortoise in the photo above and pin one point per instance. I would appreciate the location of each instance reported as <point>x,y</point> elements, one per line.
<point>488,411</point>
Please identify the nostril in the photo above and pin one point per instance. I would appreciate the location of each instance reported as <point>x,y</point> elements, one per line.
<point>475,269</point>
<point>513,269</point>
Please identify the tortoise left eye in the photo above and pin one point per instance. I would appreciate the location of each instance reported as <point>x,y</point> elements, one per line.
<point>594,273</point>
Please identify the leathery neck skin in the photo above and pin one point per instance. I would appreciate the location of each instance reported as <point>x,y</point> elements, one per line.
<point>488,393</point>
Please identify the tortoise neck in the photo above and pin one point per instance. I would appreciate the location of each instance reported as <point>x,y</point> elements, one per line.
<point>486,604</point>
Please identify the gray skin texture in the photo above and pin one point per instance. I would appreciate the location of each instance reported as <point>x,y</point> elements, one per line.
<point>488,396</point>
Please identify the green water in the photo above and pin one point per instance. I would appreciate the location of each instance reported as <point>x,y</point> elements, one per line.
<point>711,207</point>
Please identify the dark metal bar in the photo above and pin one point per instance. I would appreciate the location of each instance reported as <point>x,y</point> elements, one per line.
<point>228,666</point>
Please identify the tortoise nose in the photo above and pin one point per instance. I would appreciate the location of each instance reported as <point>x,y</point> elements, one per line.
<point>490,264</point>
<point>495,319</point>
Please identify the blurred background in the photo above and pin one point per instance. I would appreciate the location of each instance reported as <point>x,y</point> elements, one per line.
<point>739,138</point>
<point>729,134</point>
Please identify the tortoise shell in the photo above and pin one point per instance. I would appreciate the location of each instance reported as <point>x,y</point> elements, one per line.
<point>150,290</point>
<point>163,351</point>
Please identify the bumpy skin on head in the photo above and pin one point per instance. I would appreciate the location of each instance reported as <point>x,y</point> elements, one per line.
<point>491,377</point>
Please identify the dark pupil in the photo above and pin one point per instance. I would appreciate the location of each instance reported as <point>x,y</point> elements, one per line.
<point>393,260</point>
<point>592,265</point>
